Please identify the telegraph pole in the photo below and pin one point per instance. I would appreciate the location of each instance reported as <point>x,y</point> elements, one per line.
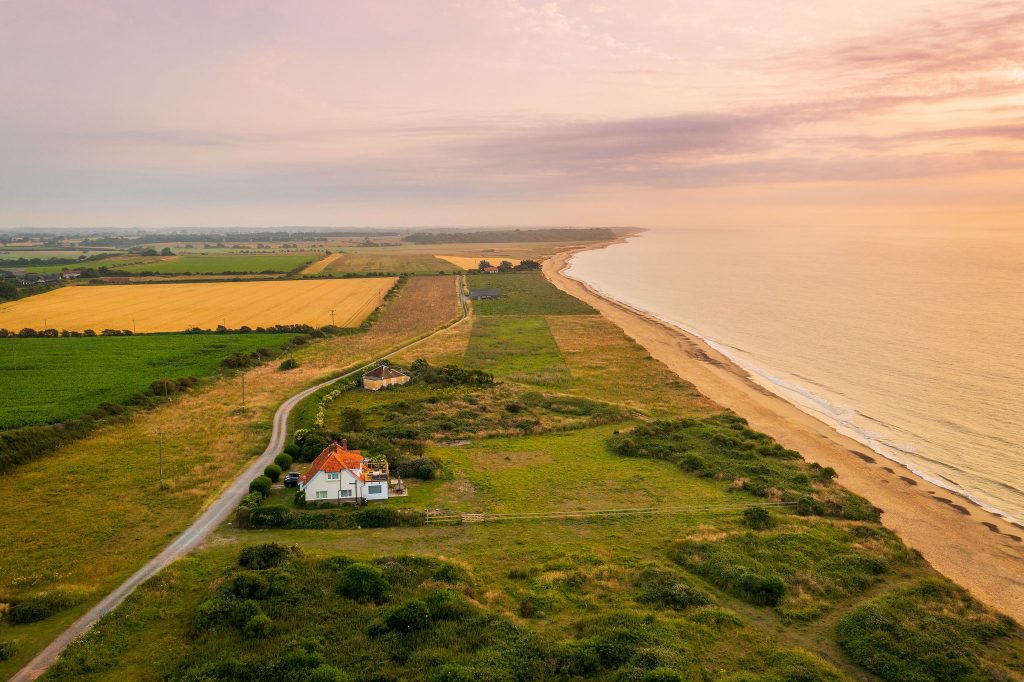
<point>332,317</point>
<point>161,436</point>
<point>243,393</point>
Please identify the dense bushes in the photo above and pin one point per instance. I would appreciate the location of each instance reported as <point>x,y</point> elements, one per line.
<point>819,563</point>
<point>290,363</point>
<point>261,485</point>
<point>722,447</point>
<point>666,588</point>
<point>349,517</point>
<point>932,630</point>
<point>39,607</point>
<point>267,555</point>
<point>364,582</point>
<point>8,649</point>
<point>273,472</point>
<point>449,375</point>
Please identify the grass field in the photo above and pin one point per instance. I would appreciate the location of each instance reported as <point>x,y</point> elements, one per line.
<point>473,262</point>
<point>519,349</point>
<point>525,293</point>
<point>103,488</point>
<point>175,307</point>
<point>48,380</point>
<point>380,261</point>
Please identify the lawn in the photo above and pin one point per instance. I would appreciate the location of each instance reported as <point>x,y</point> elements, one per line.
<point>525,294</point>
<point>47,380</point>
<point>518,349</point>
<point>148,308</point>
<point>384,262</point>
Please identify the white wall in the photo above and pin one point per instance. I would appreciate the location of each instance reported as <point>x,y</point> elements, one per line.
<point>319,482</point>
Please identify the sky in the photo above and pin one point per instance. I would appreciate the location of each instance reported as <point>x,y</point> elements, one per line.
<point>655,113</point>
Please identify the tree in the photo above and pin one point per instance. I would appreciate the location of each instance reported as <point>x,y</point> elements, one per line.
<point>505,266</point>
<point>484,264</point>
<point>166,252</point>
<point>261,485</point>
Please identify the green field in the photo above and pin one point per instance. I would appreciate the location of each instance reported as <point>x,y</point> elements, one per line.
<point>389,261</point>
<point>518,349</point>
<point>525,294</point>
<point>226,263</point>
<point>48,380</point>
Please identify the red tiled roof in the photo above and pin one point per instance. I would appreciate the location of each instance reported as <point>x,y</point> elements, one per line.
<point>334,458</point>
<point>383,372</point>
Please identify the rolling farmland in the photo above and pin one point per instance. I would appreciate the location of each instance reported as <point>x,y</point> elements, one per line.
<point>176,307</point>
<point>48,380</point>
<point>386,260</point>
<point>225,262</point>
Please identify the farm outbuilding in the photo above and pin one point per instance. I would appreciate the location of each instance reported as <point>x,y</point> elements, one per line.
<point>484,294</point>
<point>384,377</point>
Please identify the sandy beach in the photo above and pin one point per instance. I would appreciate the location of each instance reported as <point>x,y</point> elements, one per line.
<point>979,550</point>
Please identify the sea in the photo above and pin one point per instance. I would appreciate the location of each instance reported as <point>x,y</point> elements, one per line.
<point>911,341</point>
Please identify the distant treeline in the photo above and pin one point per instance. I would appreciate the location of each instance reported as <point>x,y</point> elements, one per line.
<point>218,237</point>
<point>550,234</point>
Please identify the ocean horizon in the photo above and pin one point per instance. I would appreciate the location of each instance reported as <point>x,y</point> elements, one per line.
<point>907,341</point>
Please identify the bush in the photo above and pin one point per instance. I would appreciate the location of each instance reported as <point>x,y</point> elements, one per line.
<point>758,518</point>
<point>273,472</point>
<point>272,516</point>
<point>261,485</point>
<point>266,555</point>
<point>445,604</point>
<point>243,518</point>
<point>666,588</point>
<point>258,626</point>
<point>284,460</point>
<point>325,673</point>
<point>364,582</point>
<point>249,586</point>
<point>290,363</point>
<point>7,649</point>
<point>408,617</point>
<point>38,607</point>
<point>423,468</point>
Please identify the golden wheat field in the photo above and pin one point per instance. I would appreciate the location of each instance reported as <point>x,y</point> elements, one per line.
<point>175,307</point>
<point>471,262</point>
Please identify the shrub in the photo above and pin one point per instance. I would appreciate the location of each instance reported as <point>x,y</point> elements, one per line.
<point>39,607</point>
<point>258,626</point>
<point>266,555</point>
<point>261,485</point>
<point>362,581</point>
<point>7,649</point>
<point>284,460</point>
<point>669,589</point>
<point>757,518</point>
<point>290,363</point>
<point>243,518</point>
<point>273,472</point>
<point>272,516</point>
<point>325,673</point>
<point>252,500</point>
<point>445,604</point>
<point>249,586</point>
<point>408,616</point>
<point>422,468</point>
<point>243,611</point>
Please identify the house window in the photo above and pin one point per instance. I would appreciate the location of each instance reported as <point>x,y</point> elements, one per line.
<point>333,477</point>
<point>321,494</point>
<point>373,489</point>
<point>346,493</point>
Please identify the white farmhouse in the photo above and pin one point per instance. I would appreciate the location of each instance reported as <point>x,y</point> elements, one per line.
<point>341,475</point>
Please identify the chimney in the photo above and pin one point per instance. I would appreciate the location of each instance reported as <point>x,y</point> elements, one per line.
<point>344,443</point>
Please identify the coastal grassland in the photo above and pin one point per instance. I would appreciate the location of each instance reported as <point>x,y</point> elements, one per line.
<point>527,293</point>
<point>604,362</point>
<point>47,380</point>
<point>519,349</point>
<point>99,500</point>
<point>384,261</point>
<point>176,307</point>
<point>212,264</point>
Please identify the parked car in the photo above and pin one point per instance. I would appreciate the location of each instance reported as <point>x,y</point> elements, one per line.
<point>292,480</point>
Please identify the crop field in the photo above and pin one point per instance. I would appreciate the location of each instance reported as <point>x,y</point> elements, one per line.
<point>176,307</point>
<point>525,294</point>
<point>316,267</point>
<point>225,263</point>
<point>48,380</point>
<point>28,254</point>
<point>117,262</point>
<point>520,349</point>
<point>382,261</point>
<point>472,262</point>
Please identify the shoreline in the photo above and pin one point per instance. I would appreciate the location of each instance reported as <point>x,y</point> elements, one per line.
<point>978,549</point>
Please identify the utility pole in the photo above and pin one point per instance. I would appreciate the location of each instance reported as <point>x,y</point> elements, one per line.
<point>243,393</point>
<point>133,325</point>
<point>332,317</point>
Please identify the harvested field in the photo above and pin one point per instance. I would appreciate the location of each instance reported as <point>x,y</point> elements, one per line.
<point>175,307</point>
<point>389,261</point>
<point>317,267</point>
<point>471,262</point>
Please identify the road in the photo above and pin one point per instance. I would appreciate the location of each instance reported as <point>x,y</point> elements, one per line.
<point>209,521</point>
